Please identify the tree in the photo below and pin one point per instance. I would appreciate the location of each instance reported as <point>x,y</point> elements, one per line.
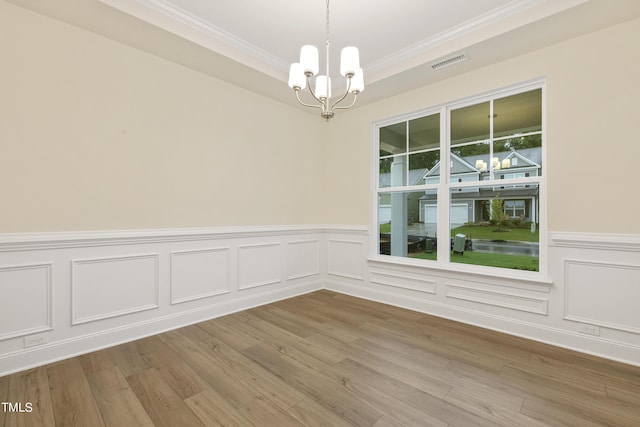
<point>498,217</point>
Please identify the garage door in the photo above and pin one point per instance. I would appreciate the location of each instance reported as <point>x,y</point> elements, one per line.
<point>459,214</point>
<point>431,214</point>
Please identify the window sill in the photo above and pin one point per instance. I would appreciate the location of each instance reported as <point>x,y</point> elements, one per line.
<point>497,275</point>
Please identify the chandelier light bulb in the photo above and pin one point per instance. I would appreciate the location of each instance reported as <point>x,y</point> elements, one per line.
<point>297,78</point>
<point>349,61</point>
<point>357,82</point>
<point>309,59</point>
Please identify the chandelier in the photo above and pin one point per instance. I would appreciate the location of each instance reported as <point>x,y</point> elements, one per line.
<point>301,72</point>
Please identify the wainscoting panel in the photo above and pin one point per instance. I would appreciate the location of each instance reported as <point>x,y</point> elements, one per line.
<point>259,265</point>
<point>303,259</point>
<point>346,258</point>
<point>603,294</point>
<point>199,273</point>
<point>63,294</point>
<point>404,280</point>
<point>511,301</point>
<point>78,292</point>
<point>25,286</point>
<point>108,287</point>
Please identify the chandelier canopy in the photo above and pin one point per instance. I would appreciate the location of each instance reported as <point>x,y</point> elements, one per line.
<point>301,72</point>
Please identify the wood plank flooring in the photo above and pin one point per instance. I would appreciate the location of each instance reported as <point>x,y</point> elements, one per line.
<point>327,359</point>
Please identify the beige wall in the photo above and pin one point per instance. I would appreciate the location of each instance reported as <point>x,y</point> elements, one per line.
<point>96,135</point>
<point>593,155</point>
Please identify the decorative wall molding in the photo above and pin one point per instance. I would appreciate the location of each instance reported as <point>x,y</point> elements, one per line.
<point>28,285</point>
<point>200,273</point>
<point>303,259</point>
<point>611,242</point>
<point>497,299</point>
<point>13,242</point>
<point>505,279</point>
<point>259,265</point>
<point>602,293</point>
<point>165,279</point>
<point>404,281</point>
<point>107,287</point>
<point>117,286</point>
<point>345,258</point>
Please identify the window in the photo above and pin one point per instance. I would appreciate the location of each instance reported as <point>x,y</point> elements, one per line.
<point>514,209</point>
<point>467,174</point>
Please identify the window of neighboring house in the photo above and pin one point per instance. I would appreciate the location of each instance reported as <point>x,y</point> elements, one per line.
<point>514,208</point>
<point>425,206</point>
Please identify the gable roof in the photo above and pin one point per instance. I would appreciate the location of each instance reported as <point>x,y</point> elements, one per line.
<point>532,157</point>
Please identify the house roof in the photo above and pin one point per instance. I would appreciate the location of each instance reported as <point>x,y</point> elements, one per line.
<point>531,157</point>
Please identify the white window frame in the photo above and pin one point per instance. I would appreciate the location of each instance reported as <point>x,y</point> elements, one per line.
<point>444,188</point>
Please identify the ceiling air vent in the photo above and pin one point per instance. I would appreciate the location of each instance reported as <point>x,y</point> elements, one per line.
<point>449,61</point>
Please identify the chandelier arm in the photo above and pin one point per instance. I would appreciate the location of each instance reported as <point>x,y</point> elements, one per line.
<point>355,96</point>
<point>346,92</point>
<point>310,87</point>
<point>304,103</point>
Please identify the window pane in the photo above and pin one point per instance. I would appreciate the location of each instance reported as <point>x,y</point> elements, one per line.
<point>393,172</point>
<point>494,229</point>
<point>421,168</point>
<point>519,154</point>
<point>408,223</point>
<point>470,145</point>
<point>470,123</point>
<point>470,162</point>
<point>384,176</point>
<point>518,113</point>
<point>393,139</point>
<point>424,133</point>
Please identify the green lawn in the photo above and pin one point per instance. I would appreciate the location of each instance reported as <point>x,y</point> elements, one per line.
<point>385,228</point>
<point>517,262</point>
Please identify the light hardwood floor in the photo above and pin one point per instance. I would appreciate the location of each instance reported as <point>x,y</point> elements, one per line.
<point>327,359</point>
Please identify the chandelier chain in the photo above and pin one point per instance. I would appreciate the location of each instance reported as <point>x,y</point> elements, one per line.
<point>327,43</point>
<point>327,23</point>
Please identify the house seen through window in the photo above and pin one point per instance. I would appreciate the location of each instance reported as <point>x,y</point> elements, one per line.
<point>462,183</point>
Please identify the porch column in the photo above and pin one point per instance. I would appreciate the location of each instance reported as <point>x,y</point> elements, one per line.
<point>399,207</point>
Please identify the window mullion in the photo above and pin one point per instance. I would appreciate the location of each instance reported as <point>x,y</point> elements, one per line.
<point>443,194</point>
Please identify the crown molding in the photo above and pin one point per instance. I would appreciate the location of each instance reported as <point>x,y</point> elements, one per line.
<point>516,13</point>
<point>499,21</point>
<point>178,21</point>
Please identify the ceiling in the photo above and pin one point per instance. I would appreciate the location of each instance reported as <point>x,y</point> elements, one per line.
<point>251,43</point>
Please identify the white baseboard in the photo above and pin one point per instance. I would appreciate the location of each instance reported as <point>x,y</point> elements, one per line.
<point>63,349</point>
